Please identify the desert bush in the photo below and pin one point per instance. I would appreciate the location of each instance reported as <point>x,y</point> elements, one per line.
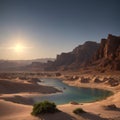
<point>44,107</point>
<point>78,111</point>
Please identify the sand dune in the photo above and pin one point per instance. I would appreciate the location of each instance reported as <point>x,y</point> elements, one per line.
<point>11,111</point>
<point>9,87</point>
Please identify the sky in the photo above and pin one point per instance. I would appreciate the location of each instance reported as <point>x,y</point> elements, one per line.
<point>31,29</point>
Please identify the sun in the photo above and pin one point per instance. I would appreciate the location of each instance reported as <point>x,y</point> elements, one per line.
<point>19,48</point>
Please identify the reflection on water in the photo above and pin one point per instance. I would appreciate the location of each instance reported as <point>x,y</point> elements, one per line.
<point>71,93</point>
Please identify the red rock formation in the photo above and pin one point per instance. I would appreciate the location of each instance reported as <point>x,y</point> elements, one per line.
<point>78,57</point>
<point>108,53</point>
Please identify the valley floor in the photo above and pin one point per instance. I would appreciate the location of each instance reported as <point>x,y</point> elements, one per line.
<point>95,111</point>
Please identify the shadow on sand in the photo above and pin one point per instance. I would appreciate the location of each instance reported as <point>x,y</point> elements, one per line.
<point>19,99</point>
<point>90,116</point>
<point>57,116</point>
<point>112,108</point>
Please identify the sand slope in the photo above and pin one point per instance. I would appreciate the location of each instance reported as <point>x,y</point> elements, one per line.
<point>13,111</point>
<point>9,87</point>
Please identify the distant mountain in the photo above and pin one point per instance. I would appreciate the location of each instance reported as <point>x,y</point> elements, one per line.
<point>42,60</point>
<point>108,54</point>
<point>16,64</point>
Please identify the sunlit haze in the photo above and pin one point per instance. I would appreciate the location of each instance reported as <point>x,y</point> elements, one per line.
<point>31,29</point>
<point>19,48</point>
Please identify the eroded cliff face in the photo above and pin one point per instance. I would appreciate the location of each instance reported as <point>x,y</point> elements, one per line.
<point>65,59</point>
<point>79,57</point>
<point>105,55</point>
<point>85,52</point>
<point>108,53</point>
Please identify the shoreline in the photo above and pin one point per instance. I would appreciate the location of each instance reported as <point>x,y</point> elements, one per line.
<point>97,105</point>
<point>96,108</point>
<point>28,96</point>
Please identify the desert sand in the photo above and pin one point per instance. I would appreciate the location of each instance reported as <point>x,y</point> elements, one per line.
<point>18,107</point>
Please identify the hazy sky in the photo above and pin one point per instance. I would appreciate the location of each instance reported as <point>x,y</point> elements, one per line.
<point>43,28</point>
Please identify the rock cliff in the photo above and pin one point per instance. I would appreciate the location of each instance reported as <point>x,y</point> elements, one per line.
<point>103,56</point>
<point>79,57</point>
<point>108,54</point>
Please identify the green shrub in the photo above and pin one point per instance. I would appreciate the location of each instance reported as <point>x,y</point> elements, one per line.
<point>78,111</point>
<point>44,107</point>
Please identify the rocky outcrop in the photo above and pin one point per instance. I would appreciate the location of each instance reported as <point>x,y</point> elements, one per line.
<point>65,59</point>
<point>84,80</point>
<point>108,53</point>
<point>77,58</point>
<point>85,52</point>
<point>109,48</point>
<point>113,82</point>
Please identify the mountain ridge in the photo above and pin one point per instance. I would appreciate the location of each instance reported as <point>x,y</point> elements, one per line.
<point>98,56</point>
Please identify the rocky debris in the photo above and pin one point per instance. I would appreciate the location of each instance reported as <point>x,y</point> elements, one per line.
<point>58,74</point>
<point>75,77</point>
<point>100,80</point>
<point>106,80</point>
<point>111,107</point>
<point>74,103</point>
<point>72,77</point>
<point>84,80</point>
<point>8,76</point>
<point>34,80</point>
<point>113,82</point>
<point>97,80</point>
<point>23,78</point>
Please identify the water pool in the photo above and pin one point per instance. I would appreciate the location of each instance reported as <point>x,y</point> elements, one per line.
<point>70,93</point>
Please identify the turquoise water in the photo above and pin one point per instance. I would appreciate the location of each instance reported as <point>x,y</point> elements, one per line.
<point>71,93</point>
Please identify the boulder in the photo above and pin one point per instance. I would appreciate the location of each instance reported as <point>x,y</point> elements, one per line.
<point>85,80</point>
<point>113,82</point>
<point>74,103</point>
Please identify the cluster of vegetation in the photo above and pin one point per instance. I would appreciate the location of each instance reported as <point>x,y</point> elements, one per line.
<point>44,107</point>
<point>78,111</point>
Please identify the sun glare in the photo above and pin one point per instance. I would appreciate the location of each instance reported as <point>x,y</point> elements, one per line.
<point>19,48</point>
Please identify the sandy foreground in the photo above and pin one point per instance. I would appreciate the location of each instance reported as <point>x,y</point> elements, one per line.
<point>95,111</point>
